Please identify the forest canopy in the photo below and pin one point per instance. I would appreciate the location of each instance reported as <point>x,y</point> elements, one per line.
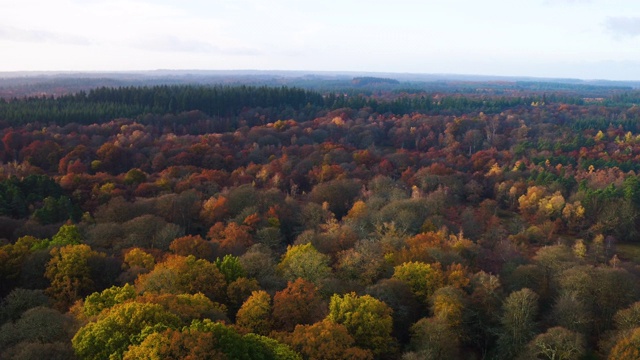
<point>246,222</point>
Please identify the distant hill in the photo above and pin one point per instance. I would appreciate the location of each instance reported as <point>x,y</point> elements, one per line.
<point>369,80</point>
<point>21,84</point>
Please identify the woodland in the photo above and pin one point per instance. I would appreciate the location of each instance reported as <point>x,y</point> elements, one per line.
<point>378,221</point>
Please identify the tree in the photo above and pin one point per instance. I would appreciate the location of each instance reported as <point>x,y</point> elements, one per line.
<point>367,319</point>
<point>571,313</point>
<point>231,267</point>
<point>136,262</point>
<point>255,314</point>
<point>364,263</point>
<point>485,304</point>
<point>339,194</point>
<point>326,340</point>
<point>180,275</point>
<point>424,279</point>
<point>138,258</point>
<point>20,300</point>
<point>208,340</point>
<point>213,210</point>
<point>556,343</point>
<point>272,348</point>
<point>98,301</point>
<point>232,239</point>
<point>518,321</point>
<point>192,245</point>
<point>70,273</point>
<point>259,263</point>
<point>629,318</point>
<point>12,257</point>
<point>188,306</point>
<point>66,235</point>
<point>628,347</point>
<point>304,261</point>
<point>603,290</point>
<point>39,324</point>
<point>448,304</point>
<point>433,338</point>
<point>406,308</point>
<point>299,303</point>
<point>238,291</point>
<point>174,344</point>
<point>123,325</point>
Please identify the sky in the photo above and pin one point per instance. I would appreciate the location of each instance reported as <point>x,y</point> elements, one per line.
<point>585,39</point>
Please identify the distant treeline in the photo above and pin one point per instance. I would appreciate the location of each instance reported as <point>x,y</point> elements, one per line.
<point>105,104</point>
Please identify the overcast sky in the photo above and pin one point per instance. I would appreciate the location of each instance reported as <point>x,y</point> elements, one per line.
<point>588,39</point>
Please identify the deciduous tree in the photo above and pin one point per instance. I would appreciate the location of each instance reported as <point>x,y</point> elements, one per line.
<point>367,319</point>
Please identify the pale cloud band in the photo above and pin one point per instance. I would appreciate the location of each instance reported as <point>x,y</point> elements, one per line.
<point>623,26</point>
<point>40,36</point>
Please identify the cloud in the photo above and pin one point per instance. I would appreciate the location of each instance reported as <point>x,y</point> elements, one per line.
<point>622,26</point>
<point>175,44</point>
<point>558,2</point>
<point>39,36</point>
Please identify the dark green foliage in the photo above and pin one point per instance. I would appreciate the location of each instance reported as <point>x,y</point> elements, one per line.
<point>17,195</point>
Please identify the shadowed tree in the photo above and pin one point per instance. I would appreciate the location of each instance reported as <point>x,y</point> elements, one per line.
<point>518,321</point>
<point>556,343</point>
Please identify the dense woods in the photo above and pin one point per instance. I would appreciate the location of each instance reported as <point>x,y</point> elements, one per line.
<point>241,222</point>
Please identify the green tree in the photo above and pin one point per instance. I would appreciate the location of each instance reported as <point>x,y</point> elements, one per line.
<point>95,303</point>
<point>230,267</point>
<point>304,261</point>
<point>115,330</point>
<point>273,348</point>
<point>173,344</point>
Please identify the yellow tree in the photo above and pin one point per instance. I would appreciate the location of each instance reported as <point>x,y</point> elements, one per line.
<point>255,314</point>
<point>70,274</point>
<point>367,319</point>
<point>424,279</point>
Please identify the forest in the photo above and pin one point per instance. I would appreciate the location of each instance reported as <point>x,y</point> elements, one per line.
<point>473,221</point>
